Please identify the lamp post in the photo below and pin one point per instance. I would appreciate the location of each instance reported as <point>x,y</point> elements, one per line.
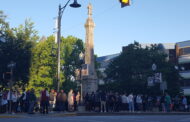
<point>81,57</point>
<point>11,66</point>
<point>60,13</point>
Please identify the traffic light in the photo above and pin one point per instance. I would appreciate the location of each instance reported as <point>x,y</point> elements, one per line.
<point>125,3</point>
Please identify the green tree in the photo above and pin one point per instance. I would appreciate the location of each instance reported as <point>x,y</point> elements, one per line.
<point>43,66</point>
<point>71,48</point>
<point>43,71</point>
<point>26,32</point>
<point>16,47</point>
<point>129,71</point>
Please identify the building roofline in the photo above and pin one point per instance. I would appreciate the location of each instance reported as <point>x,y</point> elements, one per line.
<point>182,41</point>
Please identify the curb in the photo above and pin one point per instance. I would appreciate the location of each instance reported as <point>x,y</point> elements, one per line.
<point>120,114</point>
<point>98,114</point>
<point>4,117</point>
<point>125,114</point>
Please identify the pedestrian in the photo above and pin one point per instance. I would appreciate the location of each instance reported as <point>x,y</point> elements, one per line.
<point>86,101</point>
<point>176,103</point>
<point>97,102</point>
<point>1,99</point>
<point>52,99</point>
<point>167,102</point>
<point>92,101</point>
<point>131,102</point>
<point>78,100</point>
<point>44,101</point>
<point>64,100</point>
<point>184,103</point>
<point>32,101</point>
<point>12,101</point>
<point>4,102</point>
<point>70,101</point>
<point>103,101</point>
<point>139,102</point>
<point>23,102</point>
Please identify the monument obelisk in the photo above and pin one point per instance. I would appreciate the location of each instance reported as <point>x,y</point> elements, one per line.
<point>90,83</point>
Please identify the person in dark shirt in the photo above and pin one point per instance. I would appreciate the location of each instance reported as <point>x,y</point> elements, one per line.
<point>32,101</point>
<point>103,101</point>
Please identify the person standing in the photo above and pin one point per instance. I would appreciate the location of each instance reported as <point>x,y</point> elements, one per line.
<point>78,100</point>
<point>124,102</point>
<point>63,100</point>
<point>139,102</point>
<point>32,101</point>
<point>167,102</point>
<point>44,101</point>
<point>23,102</point>
<point>131,102</point>
<point>1,99</point>
<point>70,100</point>
<point>15,101</point>
<point>184,103</point>
<point>103,101</point>
<point>4,102</point>
<point>52,99</point>
<point>12,101</point>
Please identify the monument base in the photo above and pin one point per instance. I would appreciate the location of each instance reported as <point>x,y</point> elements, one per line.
<point>89,86</point>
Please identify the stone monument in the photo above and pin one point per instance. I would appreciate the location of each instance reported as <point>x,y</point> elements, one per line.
<point>89,80</point>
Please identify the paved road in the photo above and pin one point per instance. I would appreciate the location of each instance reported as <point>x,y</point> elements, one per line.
<point>143,118</point>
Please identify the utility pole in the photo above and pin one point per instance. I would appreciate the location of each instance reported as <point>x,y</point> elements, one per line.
<point>11,66</point>
<point>60,13</point>
<point>58,50</point>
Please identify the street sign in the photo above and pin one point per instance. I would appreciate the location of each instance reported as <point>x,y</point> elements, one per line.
<point>150,81</point>
<point>158,77</point>
<point>163,86</point>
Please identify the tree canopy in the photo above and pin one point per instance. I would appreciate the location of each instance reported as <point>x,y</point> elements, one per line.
<point>129,71</point>
<point>43,70</point>
<point>16,46</point>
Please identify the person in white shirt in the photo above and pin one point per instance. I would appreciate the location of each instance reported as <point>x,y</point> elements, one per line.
<point>4,102</point>
<point>139,102</point>
<point>124,100</point>
<point>12,101</point>
<point>70,100</point>
<point>131,102</point>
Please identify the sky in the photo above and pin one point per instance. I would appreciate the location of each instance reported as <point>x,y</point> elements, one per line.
<point>145,21</point>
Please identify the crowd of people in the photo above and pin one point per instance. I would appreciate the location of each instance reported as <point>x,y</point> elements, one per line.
<point>115,102</point>
<point>100,101</point>
<point>27,101</point>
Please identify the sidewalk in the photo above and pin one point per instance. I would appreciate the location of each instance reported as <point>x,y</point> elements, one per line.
<point>65,114</point>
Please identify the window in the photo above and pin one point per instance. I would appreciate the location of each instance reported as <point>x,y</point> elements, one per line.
<point>184,51</point>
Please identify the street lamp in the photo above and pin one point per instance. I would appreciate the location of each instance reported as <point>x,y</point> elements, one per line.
<point>60,13</point>
<point>11,66</point>
<point>81,57</point>
<point>154,67</point>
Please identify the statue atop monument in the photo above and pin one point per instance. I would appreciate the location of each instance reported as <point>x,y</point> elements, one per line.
<point>89,10</point>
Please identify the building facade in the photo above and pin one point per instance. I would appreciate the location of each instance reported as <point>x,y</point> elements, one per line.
<point>183,64</point>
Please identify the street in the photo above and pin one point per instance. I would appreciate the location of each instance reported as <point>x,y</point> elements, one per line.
<point>143,118</point>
